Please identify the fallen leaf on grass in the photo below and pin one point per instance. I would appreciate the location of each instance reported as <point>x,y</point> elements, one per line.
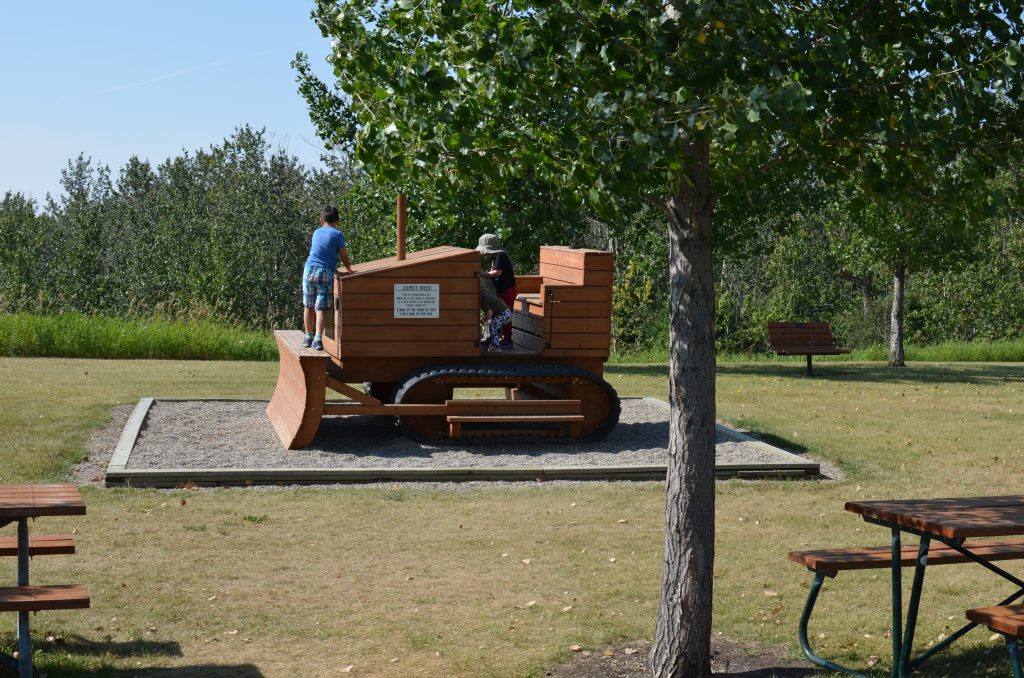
<point>608,653</point>
<point>630,650</point>
<point>575,648</point>
<point>531,603</point>
<point>566,608</point>
<point>872,660</point>
<point>347,669</point>
<point>526,561</point>
<point>233,632</point>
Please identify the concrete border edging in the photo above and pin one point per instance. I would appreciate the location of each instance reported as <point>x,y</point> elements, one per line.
<point>119,475</point>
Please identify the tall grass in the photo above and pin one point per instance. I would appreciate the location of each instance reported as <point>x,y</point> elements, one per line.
<point>74,335</point>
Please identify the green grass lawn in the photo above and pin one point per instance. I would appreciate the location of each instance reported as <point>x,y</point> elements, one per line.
<point>498,581</point>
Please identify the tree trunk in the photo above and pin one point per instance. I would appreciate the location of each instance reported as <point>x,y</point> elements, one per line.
<point>866,294</point>
<point>682,640</point>
<point>899,282</point>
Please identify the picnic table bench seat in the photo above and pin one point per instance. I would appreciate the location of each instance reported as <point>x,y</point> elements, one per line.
<point>830,562</point>
<point>40,545</point>
<point>809,339</point>
<point>36,598</point>
<point>1007,620</point>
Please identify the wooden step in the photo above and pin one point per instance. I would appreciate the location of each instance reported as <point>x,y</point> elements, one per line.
<point>517,418</point>
<point>502,406</point>
<point>34,598</point>
<point>39,545</point>
<point>455,421</point>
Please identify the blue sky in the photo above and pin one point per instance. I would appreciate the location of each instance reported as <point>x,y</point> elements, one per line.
<point>115,78</point>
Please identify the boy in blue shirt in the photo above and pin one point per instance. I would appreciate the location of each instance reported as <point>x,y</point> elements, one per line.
<point>327,246</point>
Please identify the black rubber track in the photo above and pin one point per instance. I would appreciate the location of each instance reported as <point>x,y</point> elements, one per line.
<point>489,375</point>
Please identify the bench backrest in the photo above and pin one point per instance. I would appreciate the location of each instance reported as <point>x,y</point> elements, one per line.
<point>566,309</point>
<point>800,335</point>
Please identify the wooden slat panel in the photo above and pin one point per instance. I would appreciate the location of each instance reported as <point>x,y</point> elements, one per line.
<point>581,325</point>
<point>577,258</point>
<point>567,332</point>
<point>865,558</point>
<point>448,269</point>
<point>1007,619</point>
<point>23,501</point>
<point>446,254</point>
<point>377,285</point>
<point>526,340</point>
<point>40,545</point>
<point>527,304</point>
<point>350,333</point>
<point>529,284</point>
<point>811,351</point>
<point>34,598</point>
<point>594,309</point>
<point>386,301</point>
<point>498,406</point>
<point>577,293</point>
<point>562,309</point>
<point>524,418</point>
<point>383,349</point>
<point>952,518</point>
<point>594,341</point>
<point>785,326</point>
<point>575,276</point>
<point>528,323</point>
<point>351,317</point>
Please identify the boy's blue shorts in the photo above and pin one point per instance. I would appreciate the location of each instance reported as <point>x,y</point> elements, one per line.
<point>318,288</point>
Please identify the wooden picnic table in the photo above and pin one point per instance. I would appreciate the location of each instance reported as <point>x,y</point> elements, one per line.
<point>19,503</point>
<point>950,521</point>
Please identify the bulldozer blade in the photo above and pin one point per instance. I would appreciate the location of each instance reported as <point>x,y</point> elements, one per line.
<point>297,405</point>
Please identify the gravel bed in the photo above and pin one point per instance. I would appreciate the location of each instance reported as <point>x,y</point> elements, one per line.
<point>202,434</point>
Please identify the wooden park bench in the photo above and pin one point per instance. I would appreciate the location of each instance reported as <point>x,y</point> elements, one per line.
<point>830,562</point>
<point>803,339</point>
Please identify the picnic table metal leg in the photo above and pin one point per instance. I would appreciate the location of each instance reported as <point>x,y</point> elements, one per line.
<point>805,644</point>
<point>897,605</point>
<point>1014,649</point>
<point>24,641</point>
<point>809,372</point>
<point>915,602</point>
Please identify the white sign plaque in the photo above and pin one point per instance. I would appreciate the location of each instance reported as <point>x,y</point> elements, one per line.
<point>417,300</point>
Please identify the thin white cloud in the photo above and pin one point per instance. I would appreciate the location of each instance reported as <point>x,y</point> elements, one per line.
<point>166,76</point>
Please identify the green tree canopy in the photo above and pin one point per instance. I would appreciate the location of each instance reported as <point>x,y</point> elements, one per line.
<point>681,104</point>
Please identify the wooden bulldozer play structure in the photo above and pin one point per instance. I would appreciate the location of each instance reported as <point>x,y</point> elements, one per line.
<point>408,328</point>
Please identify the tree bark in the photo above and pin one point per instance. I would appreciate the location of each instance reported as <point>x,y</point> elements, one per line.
<point>899,282</point>
<point>682,640</point>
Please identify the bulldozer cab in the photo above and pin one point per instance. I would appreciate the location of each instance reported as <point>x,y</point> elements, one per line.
<point>427,305</point>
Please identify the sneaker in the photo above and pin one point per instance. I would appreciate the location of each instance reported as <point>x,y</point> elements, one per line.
<point>506,343</point>
<point>494,349</point>
<point>307,341</point>
<point>318,345</point>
